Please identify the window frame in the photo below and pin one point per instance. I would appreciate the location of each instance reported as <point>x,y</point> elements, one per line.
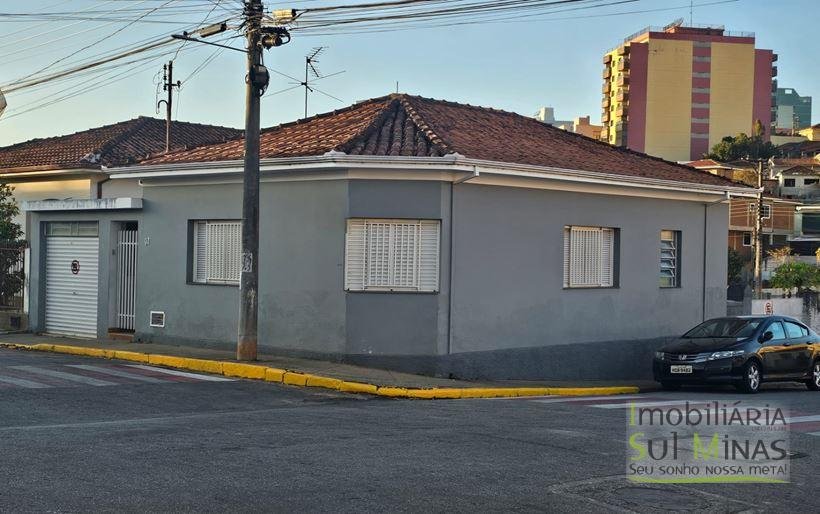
<point>614,258</point>
<point>357,270</point>
<point>743,239</point>
<point>193,260</point>
<point>789,182</point>
<point>677,237</point>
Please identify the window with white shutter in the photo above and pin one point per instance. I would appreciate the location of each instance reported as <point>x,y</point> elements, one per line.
<point>392,255</point>
<point>217,252</point>
<point>589,257</point>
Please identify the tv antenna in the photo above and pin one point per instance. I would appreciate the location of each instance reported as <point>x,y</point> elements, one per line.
<point>312,75</point>
<point>312,70</point>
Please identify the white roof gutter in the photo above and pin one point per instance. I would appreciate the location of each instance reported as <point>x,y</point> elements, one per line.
<point>452,163</point>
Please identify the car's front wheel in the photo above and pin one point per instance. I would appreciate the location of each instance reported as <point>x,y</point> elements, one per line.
<point>813,382</point>
<point>751,379</point>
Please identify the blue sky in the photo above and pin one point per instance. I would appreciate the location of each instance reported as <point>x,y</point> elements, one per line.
<point>513,66</point>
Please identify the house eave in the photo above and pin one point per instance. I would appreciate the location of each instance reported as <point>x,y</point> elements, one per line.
<point>454,163</point>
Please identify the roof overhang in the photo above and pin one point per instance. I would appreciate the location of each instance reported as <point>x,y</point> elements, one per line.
<point>95,204</point>
<point>42,173</point>
<point>455,165</point>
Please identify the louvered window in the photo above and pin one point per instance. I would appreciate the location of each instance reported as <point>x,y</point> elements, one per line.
<point>392,255</point>
<point>589,257</point>
<point>670,258</point>
<point>217,252</point>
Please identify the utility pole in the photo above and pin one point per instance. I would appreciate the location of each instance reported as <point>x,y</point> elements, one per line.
<point>168,85</point>
<point>256,82</point>
<point>758,239</point>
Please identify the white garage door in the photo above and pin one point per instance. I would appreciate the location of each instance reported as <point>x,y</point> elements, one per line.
<point>72,269</point>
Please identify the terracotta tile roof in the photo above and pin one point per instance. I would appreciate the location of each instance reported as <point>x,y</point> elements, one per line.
<point>706,163</point>
<point>112,145</point>
<point>405,125</point>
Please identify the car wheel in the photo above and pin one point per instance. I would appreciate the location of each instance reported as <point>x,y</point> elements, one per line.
<point>752,377</point>
<point>813,382</point>
<point>670,386</point>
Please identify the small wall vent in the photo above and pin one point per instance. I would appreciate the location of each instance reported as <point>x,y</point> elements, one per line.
<point>158,319</point>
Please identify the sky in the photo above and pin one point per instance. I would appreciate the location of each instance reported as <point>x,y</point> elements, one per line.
<point>516,66</point>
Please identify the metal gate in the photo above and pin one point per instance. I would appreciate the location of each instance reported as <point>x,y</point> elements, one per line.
<point>72,271</point>
<point>126,278</point>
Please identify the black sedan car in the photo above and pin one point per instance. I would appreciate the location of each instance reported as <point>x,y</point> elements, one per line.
<point>743,350</point>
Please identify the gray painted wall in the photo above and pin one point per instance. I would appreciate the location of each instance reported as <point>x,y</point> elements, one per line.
<point>511,317</point>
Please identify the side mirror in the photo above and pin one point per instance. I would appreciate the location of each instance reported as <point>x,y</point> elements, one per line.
<point>767,336</point>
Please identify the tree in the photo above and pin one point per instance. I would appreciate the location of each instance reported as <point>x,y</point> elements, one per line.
<point>743,146</point>
<point>735,265</point>
<point>11,279</point>
<point>796,274</point>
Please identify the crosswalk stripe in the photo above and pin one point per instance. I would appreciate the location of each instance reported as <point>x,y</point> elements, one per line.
<point>20,382</point>
<point>627,405</point>
<point>64,376</point>
<point>182,373</point>
<point>802,419</point>
<point>118,373</point>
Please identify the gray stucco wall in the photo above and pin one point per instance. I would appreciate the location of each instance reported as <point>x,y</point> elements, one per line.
<point>508,282</point>
<point>511,317</point>
<point>301,301</point>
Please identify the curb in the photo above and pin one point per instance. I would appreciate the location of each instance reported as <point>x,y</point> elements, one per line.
<point>295,378</point>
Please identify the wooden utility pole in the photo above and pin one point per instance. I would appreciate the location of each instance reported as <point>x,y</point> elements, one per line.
<point>758,239</point>
<point>168,85</point>
<point>256,83</point>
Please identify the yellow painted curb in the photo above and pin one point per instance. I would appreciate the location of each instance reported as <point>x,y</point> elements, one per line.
<point>274,375</point>
<point>238,369</point>
<point>392,392</point>
<point>257,372</point>
<point>357,387</point>
<point>326,382</point>
<point>130,356</point>
<point>296,379</point>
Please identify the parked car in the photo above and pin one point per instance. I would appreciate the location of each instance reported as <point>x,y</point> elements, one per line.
<point>743,350</point>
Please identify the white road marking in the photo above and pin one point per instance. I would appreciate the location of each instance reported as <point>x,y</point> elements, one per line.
<point>64,376</point>
<point>627,405</point>
<point>23,383</point>
<point>816,434</point>
<point>118,373</point>
<point>803,419</point>
<point>573,399</point>
<point>182,373</point>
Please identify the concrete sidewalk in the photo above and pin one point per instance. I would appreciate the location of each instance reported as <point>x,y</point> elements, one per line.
<point>345,372</point>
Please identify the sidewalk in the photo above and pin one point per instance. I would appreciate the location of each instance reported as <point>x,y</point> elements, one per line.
<point>332,370</point>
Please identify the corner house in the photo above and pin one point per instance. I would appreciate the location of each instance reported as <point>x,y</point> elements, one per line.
<point>405,233</point>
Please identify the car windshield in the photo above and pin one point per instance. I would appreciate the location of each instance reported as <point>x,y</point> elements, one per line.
<point>724,327</point>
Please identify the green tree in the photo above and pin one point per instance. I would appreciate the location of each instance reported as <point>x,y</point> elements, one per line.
<point>796,274</point>
<point>11,280</point>
<point>735,265</point>
<point>743,146</point>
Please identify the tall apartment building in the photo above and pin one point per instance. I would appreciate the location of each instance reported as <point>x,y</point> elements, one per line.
<point>674,92</point>
<point>793,111</point>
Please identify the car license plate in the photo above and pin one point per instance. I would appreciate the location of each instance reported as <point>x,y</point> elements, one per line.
<point>680,369</point>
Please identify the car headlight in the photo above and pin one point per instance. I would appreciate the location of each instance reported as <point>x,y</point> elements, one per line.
<point>726,354</point>
<point>660,355</point>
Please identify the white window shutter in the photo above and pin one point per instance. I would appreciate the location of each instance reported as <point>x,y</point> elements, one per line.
<point>355,262</point>
<point>589,257</point>
<point>200,266</point>
<point>429,249</point>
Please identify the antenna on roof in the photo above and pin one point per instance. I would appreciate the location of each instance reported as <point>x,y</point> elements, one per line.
<point>310,66</point>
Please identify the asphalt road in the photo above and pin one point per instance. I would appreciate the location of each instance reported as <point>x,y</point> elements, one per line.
<point>80,435</point>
